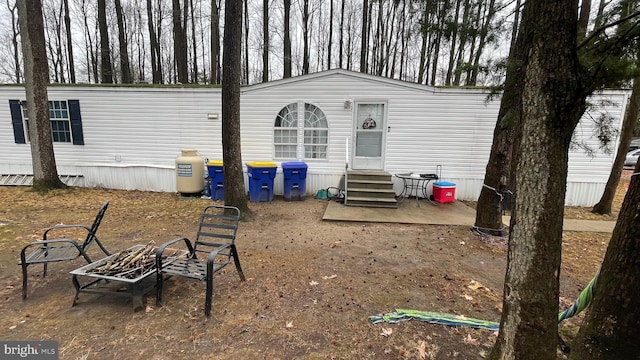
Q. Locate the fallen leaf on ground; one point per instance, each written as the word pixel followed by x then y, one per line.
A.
pixel 474 285
pixel 289 325
pixel 386 331
pixel 467 297
pixel 330 277
pixel 469 340
pixel 422 350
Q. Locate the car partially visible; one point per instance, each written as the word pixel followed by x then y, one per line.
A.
pixel 632 158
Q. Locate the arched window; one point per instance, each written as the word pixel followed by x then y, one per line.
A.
pixel 301 134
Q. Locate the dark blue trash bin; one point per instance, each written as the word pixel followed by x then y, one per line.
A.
pixel 261 175
pixel 216 179
pixel 295 183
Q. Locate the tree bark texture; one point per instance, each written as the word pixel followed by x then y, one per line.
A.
pixel 36 73
pixel 245 71
pixel 553 100
pixel 265 41
pixel 215 42
pixel 154 47
pixel 234 190
pixel 305 35
pixel 498 174
pixel 330 35
pixel 610 328
pixel 125 68
pixel 364 44
pixel 628 126
pixel 14 41
pixel 179 44
pixel 67 24
pixel 106 71
pixel 287 39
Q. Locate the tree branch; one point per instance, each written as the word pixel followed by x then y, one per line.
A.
pixel 602 29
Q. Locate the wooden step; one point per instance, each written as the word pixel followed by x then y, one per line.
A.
pixel 372 193
pixel 371 202
pixel 370 184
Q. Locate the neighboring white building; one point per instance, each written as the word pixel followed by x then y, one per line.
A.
pixel 129 137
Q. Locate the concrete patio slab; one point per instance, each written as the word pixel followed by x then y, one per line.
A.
pixel 428 213
pixel 408 212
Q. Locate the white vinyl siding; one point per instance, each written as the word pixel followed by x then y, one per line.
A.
pixel 134 134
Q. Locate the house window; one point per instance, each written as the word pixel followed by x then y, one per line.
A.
pixel 301 134
pixel 60 122
pixel 66 122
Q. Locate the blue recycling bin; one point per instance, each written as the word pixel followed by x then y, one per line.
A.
pixel 261 175
pixel 216 179
pixel 295 183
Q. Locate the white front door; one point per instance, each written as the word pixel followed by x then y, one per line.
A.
pixel 369 136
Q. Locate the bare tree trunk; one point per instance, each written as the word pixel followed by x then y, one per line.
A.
pixel 45 173
pixel 340 55
pixel 179 43
pixel 194 77
pixel 14 40
pixel 154 47
pixel 159 17
pixel 516 23
pixel 484 32
pixel 287 39
pixel 349 51
pixel 105 51
pixel 246 42
pixel 364 44
pixel 600 14
pixel 466 24
pixel 215 43
pixel 583 20
pixel 553 100
pixel 305 35
pixel 423 58
pixel 454 39
pixel 234 190
pixel 125 68
pixel 610 327
pixel 330 35
pixel 67 23
pixel 92 67
pixel 59 58
pixel 265 41
pixel 403 42
pixel 628 126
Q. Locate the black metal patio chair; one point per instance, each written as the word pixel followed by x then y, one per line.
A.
pixel 49 250
pixel 215 241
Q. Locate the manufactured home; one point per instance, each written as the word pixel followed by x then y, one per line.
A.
pixel 129 137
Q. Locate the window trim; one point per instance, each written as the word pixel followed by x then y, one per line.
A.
pixel 319 116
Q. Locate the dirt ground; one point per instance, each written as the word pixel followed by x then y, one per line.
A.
pixel 311 284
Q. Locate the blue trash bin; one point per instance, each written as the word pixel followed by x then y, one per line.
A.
pixel 295 183
pixel 261 175
pixel 216 179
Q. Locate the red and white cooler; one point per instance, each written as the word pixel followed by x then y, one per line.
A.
pixel 444 192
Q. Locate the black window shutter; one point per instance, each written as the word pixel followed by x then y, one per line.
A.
pixel 16 121
pixel 76 122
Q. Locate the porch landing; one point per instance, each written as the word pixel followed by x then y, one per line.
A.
pixel 407 212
